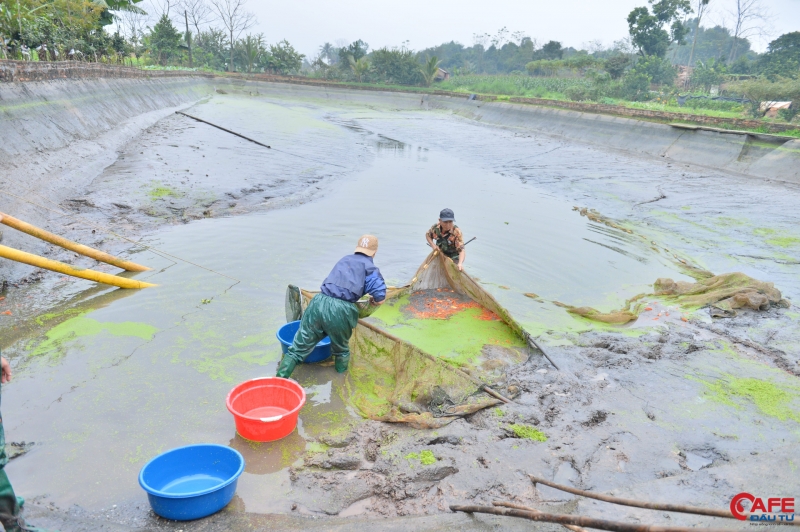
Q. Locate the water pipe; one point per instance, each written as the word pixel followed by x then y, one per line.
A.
pixel 70 245
pixel 55 266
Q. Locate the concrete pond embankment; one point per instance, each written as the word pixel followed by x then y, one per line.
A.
pixel 687 411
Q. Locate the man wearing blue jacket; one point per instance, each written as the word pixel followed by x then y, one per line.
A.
pixel 333 312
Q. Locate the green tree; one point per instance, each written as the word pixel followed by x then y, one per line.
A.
pixel 708 74
pixel 211 48
pixel 552 50
pixel 109 14
pixel 396 66
pixel 328 52
pixel 356 50
pixel 782 57
pixel 13 16
pixel 164 40
pixel 252 46
pixel 659 70
pixel 283 58
pixel 359 67
pixel 616 65
pixel 647 29
pixel 430 69
pixel 636 85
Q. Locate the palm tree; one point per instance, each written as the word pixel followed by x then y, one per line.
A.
pixel 430 69
pixel 328 51
pixel 359 67
pixel 252 45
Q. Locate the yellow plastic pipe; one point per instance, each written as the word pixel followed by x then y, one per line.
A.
pixel 70 245
pixel 55 266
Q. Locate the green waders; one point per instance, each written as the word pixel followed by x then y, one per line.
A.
pixel 325 316
pixel 10 505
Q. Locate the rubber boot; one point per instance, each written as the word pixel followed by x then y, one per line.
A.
pixel 286 367
pixel 341 362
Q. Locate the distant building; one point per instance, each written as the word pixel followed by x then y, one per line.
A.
pixel 442 75
pixel 770 109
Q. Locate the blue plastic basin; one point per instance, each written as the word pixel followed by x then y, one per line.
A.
pixel 193 481
pixel 286 337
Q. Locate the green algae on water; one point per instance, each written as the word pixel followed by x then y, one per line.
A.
pixel 777 238
pixel 778 401
pixel 81 326
pixel 527 432
pixel 457 340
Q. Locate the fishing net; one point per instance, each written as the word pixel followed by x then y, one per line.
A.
pixel 722 293
pixel 394 380
pixel 615 317
pixel 727 291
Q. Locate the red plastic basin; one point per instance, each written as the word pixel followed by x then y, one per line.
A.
pixel 266 409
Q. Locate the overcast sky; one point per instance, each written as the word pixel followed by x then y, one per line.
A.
pixel 308 23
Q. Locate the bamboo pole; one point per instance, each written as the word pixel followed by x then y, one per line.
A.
pixel 696 510
pixel 70 245
pixel 55 266
pixel 576 520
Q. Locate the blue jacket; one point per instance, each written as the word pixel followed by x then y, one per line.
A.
pixel 352 277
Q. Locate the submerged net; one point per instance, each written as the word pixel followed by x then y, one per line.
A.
pixel 392 379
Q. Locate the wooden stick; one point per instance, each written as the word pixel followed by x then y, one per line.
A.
pixel 495 394
pixel 222 128
pixel 534 510
pixel 530 340
pixel 696 510
pixel 576 520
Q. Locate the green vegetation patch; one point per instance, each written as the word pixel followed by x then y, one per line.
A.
pixel 81 326
pixel 162 192
pixel 527 432
pixel 423 457
pixel 775 400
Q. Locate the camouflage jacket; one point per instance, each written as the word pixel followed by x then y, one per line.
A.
pixel 451 243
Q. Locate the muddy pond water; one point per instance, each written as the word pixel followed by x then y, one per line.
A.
pixel 118 381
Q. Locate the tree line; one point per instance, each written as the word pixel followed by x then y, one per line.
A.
pixel 210 34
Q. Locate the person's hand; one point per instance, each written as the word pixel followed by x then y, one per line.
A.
pixel 6 370
pixel 375 303
pixel 460 267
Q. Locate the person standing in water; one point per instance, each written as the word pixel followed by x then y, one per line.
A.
pixel 333 312
pixel 446 235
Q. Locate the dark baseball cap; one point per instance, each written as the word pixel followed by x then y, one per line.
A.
pixel 447 215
